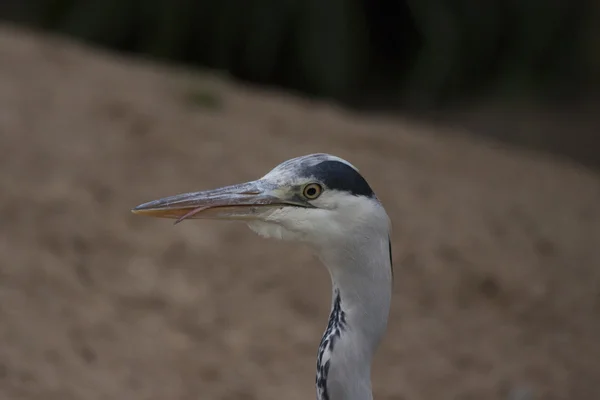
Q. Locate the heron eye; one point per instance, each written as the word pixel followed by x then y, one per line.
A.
pixel 312 191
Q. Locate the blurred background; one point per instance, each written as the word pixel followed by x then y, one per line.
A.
pixel 483 63
pixel 476 123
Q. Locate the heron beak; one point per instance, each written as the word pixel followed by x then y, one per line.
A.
pixel 246 201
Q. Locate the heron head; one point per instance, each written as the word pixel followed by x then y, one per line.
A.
pixel 316 198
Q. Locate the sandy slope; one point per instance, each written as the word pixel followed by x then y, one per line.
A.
pixel 497 274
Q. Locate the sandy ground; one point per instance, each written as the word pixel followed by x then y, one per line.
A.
pixel 497 291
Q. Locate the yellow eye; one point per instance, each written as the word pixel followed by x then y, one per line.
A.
pixel 312 191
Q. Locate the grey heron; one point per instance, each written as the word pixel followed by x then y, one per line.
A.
pixel 323 201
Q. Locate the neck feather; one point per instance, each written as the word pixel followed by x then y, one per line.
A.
pixel 361 295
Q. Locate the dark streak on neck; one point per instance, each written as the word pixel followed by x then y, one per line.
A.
pixel 335 327
pixel 390 250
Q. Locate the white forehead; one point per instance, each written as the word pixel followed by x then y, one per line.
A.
pixel 296 166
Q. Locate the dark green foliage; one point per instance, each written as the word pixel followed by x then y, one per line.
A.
pixel 413 52
pixel 203 98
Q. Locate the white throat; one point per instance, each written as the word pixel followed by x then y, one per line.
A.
pixel 361 295
pixel 350 235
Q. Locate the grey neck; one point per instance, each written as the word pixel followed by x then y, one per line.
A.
pixel 361 295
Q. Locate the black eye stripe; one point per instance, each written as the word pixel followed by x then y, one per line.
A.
pixel 337 175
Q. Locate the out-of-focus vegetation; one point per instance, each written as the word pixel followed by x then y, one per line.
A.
pixel 412 55
pixel 366 53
